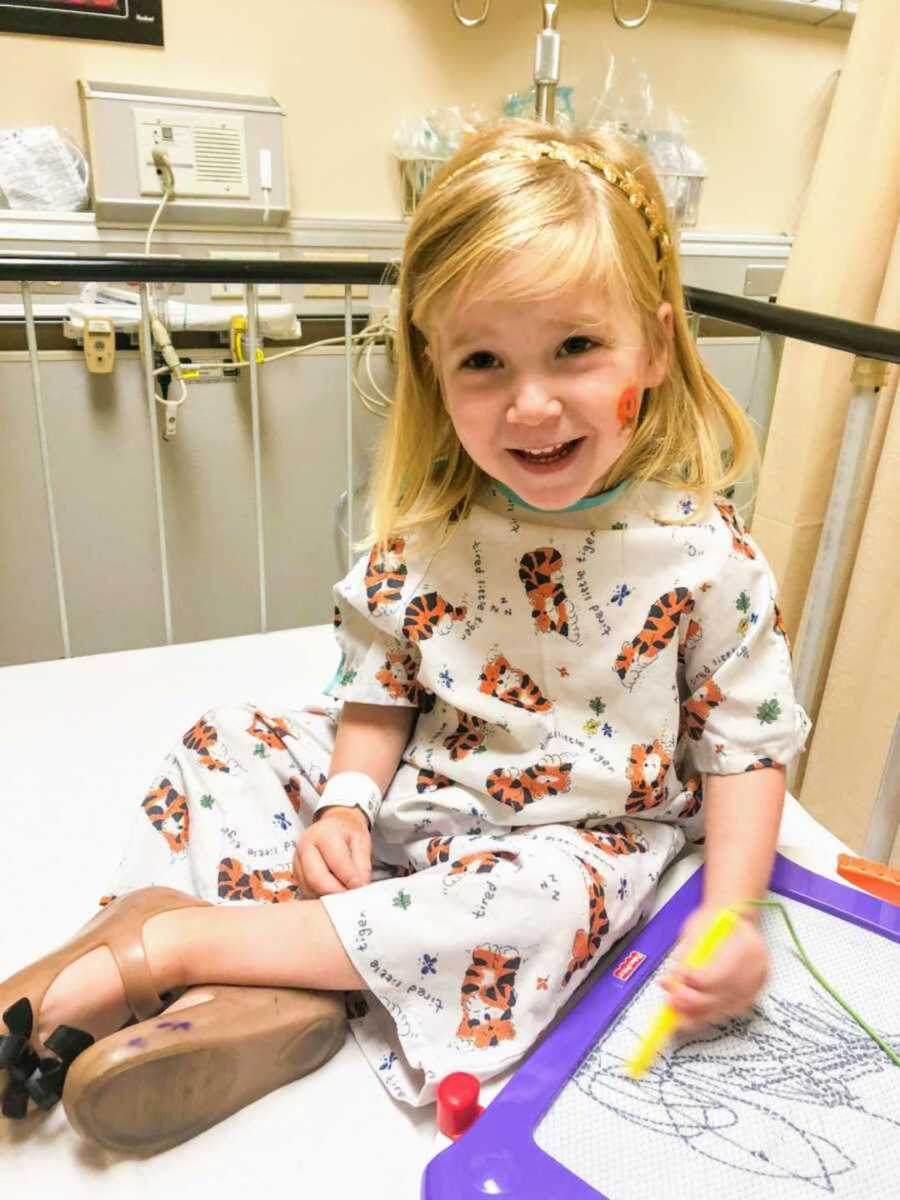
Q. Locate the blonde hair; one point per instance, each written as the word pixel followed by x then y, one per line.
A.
pixel 474 218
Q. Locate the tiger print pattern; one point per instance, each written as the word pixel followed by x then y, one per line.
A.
pixel 429 614
pixel 292 787
pixel 692 636
pixel 488 997
pixel 540 571
pixel 511 686
pixel 438 850
pixel 693 797
pixel 167 811
pixel 779 626
pixel 398 678
pixel 482 862
pixel 761 764
pixel 587 941
pixel 740 542
pixel 614 838
pixel 385 577
pixel 430 781
pixel 200 738
pixel 696 710
pixel 263 886
pixel 467 738
pixel 648 764
pixel 515 788
pixel 292 791
pixel 398 675
pixel 657 632
pixel 270 730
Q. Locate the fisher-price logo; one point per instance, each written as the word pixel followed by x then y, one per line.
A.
pixel 629 964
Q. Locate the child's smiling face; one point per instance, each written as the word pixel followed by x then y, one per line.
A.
pixel 563 377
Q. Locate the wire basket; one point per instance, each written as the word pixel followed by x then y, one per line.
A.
pixel 682 194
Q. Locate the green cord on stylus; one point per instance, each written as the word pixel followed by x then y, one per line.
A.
pixel 889 1051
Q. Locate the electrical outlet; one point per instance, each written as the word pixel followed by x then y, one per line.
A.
pixel 235 291
pixel 99 345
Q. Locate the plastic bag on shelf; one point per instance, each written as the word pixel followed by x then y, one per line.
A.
pixel 42 169
pixel 522 104
pixel 421 144
pixel 625 102
pixel 679 168
pixel 627 105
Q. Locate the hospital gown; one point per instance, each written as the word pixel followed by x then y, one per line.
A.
pixel 576 674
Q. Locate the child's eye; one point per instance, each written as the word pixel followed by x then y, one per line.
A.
pixel 475 362
pixel 578 344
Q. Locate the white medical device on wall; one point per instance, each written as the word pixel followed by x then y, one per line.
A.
pixel 226 152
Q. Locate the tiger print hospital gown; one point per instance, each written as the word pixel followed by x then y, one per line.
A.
pixel 576 673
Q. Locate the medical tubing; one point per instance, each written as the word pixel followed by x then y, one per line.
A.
pixel 167 195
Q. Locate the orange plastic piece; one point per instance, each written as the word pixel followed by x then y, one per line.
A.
pixel 881 881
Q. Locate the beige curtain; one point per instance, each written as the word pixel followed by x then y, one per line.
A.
pixel 845 262
pixel 861 701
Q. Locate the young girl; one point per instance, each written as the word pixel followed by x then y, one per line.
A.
pixel 561 660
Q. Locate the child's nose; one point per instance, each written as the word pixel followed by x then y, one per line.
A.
pixel 532 403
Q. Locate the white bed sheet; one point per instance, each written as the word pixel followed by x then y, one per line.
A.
pixel 79 739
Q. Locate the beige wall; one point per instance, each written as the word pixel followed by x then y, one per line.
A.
pixel 755 90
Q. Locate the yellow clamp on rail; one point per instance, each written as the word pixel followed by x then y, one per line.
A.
pixel 237 331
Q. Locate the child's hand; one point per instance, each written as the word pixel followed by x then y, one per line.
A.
pixel 334 854
pixel 727 984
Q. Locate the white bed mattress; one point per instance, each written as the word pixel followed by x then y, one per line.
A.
pixel 79 739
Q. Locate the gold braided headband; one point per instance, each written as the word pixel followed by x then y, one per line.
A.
pixel 574 156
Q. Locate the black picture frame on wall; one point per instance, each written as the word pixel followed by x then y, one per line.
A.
pixel 138 21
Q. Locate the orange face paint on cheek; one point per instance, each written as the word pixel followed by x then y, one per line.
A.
pixel 627 409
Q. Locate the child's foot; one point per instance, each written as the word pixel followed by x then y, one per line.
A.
pixel 89 995
pixel 122 962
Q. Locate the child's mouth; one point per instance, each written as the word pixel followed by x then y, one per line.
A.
pixel 548 458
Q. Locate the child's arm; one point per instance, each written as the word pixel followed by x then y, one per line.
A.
pixel 335 853
pixel 371 738
pixel 743 813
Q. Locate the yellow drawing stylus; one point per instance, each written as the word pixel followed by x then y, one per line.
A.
pixel 666 1020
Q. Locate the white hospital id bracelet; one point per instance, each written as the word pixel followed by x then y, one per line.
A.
pixel 351 789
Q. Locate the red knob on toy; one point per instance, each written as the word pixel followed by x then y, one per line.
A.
pixel 457 1103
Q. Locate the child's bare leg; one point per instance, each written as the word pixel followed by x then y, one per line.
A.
pixel 276 945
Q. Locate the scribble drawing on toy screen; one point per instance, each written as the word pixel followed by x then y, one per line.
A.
pixel 793 1101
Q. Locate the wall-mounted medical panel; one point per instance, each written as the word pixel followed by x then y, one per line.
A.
pixel 226 153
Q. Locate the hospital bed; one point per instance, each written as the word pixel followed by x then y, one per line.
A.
pixel 79 740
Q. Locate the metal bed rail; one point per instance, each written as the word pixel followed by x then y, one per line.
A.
pixel 873 346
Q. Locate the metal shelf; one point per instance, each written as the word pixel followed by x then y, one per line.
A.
pixel 836 14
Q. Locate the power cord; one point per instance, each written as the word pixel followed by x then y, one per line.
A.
pixel 365 340
pixel 381 331
pixel 159 331
pixel 167 179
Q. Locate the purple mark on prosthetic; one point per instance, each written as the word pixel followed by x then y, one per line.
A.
pixel 174 1025
pixel 137 1042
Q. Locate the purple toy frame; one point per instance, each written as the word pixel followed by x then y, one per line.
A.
pixel 498 1156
